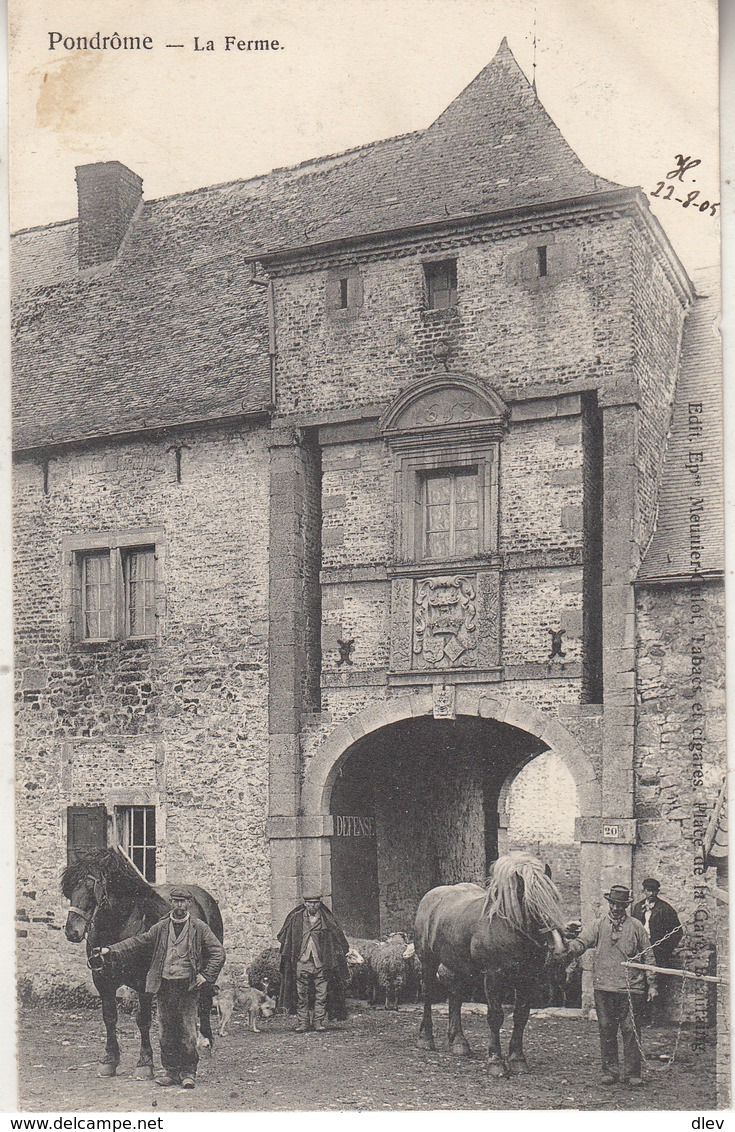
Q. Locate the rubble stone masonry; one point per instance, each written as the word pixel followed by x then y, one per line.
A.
pixel 179 721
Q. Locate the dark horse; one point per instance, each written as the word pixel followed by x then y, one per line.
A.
pixel 110 901
pixel 503 932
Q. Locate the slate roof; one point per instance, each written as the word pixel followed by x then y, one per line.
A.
pixel 175 331
pixel 699 380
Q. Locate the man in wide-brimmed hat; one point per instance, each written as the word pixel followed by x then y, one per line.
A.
pixel 620 992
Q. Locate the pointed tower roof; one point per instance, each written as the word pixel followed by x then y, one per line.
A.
pixel 501 135
pixel 494 148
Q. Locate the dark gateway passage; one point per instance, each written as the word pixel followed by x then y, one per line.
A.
pixel 416 805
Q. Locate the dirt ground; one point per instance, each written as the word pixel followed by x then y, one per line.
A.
pixel 369 1062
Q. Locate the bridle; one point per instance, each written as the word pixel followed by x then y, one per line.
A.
pixel 100 900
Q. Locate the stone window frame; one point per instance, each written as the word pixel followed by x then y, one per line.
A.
pixel 114 800
pixel 456 444
pixel 116 543
pixel 559 260
pixel 430 268
pixel 123 827
pixel 412 473
pixel 336 310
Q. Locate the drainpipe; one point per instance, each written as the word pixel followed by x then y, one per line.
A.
pixel 272 340
pixel 268 283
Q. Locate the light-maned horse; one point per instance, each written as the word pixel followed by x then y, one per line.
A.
pixel 110 901
pixel 504 933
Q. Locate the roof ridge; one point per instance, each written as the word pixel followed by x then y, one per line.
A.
pixel 323 158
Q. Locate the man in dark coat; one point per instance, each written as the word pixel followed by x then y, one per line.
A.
pixel 184 955
pixel 665 932
pixel 313 962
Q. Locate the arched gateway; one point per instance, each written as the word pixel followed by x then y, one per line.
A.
pixel 405 794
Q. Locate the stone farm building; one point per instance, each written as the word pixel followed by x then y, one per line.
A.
pixel 368 522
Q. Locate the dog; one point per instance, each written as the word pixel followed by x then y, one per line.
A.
pixel 257 1003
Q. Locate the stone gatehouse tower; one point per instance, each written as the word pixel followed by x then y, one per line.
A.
pixel 342 495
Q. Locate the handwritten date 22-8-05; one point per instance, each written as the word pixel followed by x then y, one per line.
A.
pixel 684 165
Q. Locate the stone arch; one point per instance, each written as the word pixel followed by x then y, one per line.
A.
pixel 480 701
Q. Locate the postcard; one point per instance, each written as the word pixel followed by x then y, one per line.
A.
pixel 368 557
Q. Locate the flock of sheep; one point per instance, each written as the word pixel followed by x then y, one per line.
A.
pixel 383 972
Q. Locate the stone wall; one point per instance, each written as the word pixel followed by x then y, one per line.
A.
pixel 656 331
pixel 179 722
pixel 680 751
pixel 505 328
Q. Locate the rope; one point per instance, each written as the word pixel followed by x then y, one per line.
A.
pixel 677 1039
pixel 680 1025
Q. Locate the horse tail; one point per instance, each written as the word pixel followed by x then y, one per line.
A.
pixel 519 890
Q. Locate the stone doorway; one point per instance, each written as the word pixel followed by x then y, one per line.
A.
pixel 416 804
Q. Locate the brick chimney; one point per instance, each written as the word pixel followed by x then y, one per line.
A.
pixel 109 194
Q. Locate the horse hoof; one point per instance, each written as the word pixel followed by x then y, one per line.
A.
pixel 106 1069
pixel 461 1048
pixel 497 1069
pixel 144 1072
pixel 425 1043
pixel 518 1065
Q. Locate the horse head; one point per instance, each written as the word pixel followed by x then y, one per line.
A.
pixel 87 897
pixel 521 893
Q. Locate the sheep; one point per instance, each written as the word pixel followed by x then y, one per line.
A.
pixel 264 972
pixel 414 974
pixel 390 969
pixel 355 962
pixel 362 983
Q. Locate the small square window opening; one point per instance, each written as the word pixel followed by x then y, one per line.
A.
pixel 441 284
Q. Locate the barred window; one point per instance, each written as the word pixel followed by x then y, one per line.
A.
pixel 136 834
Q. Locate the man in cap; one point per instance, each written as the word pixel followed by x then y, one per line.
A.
pixel 620 992
pixel 664 930
pixel 313 950
pixel 183 954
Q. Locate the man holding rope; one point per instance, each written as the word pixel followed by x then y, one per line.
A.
pixel 620 992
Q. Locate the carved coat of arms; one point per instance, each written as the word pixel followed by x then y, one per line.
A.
pixel 445 620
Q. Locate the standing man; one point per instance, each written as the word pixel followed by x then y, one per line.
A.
pixel 665 932
pixel 620 992
pixel 184 955
pixel 313 950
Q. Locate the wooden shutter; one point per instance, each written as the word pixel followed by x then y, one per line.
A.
pixel 86 828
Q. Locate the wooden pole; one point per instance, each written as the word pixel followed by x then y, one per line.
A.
pixel 672 971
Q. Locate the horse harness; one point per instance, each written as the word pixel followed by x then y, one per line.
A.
pixel 100 900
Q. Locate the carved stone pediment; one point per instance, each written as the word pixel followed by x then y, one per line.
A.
pixel 441 404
